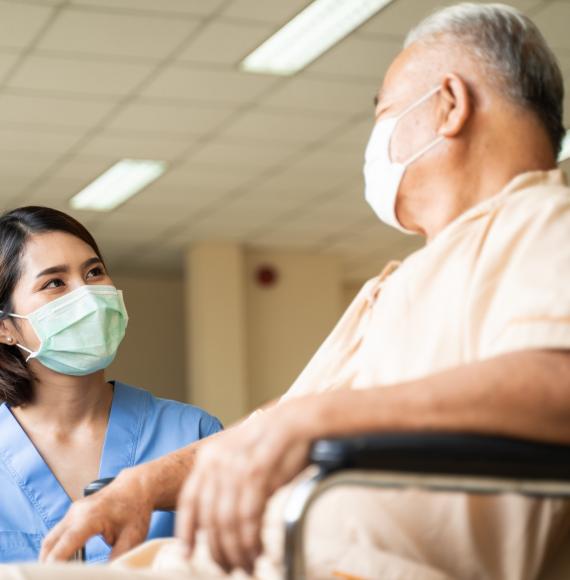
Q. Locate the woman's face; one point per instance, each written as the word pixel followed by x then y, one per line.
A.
pixel 53 264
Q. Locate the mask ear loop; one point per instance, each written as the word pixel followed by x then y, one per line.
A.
pixel 436 141
pixel 425 149
pixel 423 99
pixel 31 353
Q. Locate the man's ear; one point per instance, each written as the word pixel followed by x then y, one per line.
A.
pixel 456 105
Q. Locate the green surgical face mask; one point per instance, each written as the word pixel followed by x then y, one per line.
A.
pixel 80 332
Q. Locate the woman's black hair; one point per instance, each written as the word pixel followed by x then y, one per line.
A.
pixel 16 226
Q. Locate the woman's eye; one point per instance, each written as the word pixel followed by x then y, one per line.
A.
pixel 55 283
pixel 94 272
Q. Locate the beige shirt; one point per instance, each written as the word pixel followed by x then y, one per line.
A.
pixel 493 281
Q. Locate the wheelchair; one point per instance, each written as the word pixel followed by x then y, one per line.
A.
pixel 447 462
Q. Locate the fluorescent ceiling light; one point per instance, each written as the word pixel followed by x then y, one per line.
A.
pixel 313 31
pixel 117 184
pixel 565 150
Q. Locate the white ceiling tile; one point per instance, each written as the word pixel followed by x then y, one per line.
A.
pixel 271 198
pixel 140 116
pixel 197 7
pixel 82 168
pixel 365 58
pixel 13 187
pixel 95 33
pixel 230 153
pixel 56 191
pixel 181 201
pixel 222 225
pixel 309 221
pixel 47 2
pixel 119 146
pixel 26 141
pixel 300 184
pixel 311 94
pixel 85 76
pixel 355 137
pixel 401 16
pixel 48 111
pixel 180 81
pixel 327 159
pixel 18 172
pixel 125 220
pixel 203 229
pixel 269 207
pixel 7 60
pixel 352 205
pixel 12 163
pixel 206 179
pixel 272 11
pixel 273 127
pixel 553 22
pixel 225 42
pixel 20 23
pixel 237 218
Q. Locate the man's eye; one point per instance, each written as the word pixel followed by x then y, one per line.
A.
pixel 55 283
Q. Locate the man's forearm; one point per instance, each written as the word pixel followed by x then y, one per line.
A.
pixel 523 394
pixel 162 479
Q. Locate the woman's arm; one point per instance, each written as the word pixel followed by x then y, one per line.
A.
pixel 121 512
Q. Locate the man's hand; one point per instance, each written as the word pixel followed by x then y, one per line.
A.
pixel 234 476
pixel 120 513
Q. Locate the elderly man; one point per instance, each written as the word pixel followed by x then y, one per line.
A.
pixel 471 333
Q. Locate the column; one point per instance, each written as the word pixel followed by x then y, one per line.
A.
pixel 216 361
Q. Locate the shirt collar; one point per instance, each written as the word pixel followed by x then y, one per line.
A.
pixel 553 177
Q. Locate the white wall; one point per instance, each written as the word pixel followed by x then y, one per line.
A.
pixel 284 325
pixel 152 354
pixel 287 322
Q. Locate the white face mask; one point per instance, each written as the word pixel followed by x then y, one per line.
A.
pixel 382 176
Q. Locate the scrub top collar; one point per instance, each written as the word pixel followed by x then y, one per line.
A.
pixel 34 477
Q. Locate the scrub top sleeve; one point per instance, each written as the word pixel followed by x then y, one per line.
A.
pixel 524 281
pixel 209 425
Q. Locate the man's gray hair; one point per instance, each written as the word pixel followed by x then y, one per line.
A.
pixel 512 49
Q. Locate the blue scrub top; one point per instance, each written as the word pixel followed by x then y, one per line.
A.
pixel 32 501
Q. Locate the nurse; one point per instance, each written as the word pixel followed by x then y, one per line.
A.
pixel 62 424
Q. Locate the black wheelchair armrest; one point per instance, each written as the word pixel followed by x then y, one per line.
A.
pixel 90 489
pixel 445 453
pixel 97 485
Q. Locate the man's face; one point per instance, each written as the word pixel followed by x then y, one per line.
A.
pixel 406 91
pixel 407 81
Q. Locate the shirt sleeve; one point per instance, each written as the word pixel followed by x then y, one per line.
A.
pixel 522 298
pixel 209 425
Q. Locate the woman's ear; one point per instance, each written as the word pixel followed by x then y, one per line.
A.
pixel 456 105
pixel 6 334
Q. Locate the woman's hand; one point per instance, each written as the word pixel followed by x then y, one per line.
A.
pixel 233 478
pixel 120 513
